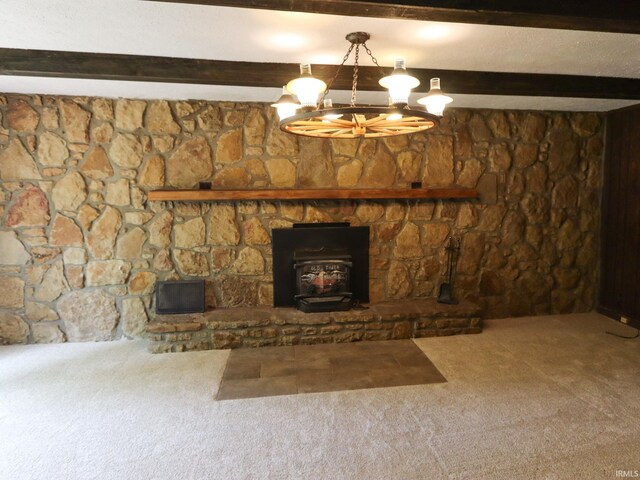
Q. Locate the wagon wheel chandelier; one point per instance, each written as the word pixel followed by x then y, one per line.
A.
pixel 305 115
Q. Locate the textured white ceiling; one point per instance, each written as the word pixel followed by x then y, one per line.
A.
pixel 195 31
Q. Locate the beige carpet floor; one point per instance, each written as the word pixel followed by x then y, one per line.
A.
pixel 530 398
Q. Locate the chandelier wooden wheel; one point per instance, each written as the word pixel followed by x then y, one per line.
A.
pixel 372 122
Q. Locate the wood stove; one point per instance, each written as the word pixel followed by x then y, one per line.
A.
pixel 323 280
pixel 320 267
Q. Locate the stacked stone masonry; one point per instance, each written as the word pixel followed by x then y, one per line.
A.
pixel 264 326
pixel 81 248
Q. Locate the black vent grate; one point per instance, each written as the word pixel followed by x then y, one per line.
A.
pixel 180 296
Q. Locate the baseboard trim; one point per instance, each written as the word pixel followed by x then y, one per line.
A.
pixel 615 315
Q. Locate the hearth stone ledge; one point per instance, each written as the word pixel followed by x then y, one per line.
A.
pixel 246 327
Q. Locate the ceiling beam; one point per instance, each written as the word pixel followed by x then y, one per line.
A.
pixel 47 63
pixel 597 16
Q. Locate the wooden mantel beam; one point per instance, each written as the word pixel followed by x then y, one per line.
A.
pixel 295 194
pixel 60 64
pixel 590 15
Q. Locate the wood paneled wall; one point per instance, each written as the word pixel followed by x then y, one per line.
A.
pixel 620 257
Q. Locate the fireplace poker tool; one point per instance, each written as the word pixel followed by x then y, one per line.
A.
pixel 446 288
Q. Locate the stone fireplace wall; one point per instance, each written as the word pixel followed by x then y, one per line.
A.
pixel 81 248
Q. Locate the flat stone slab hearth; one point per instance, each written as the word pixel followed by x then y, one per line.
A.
pixel 268 326
pixel 271 371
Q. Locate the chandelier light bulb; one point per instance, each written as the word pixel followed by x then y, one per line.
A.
pixel 328 105
pixel 393 117
pixel 399 83
pixel 306 87
pixel 286 105
pixel 435 101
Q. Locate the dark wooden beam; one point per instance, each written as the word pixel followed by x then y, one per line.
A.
pixel 619 16
pixel 45 63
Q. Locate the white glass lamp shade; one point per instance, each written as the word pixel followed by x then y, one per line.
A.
pixel 435 101
pixel 306 87
pixel 399 84
pixel 286 105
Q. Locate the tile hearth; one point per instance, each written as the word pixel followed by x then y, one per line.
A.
pixel 271 371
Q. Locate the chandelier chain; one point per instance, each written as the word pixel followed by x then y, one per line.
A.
pixel 344 60
pixel 354 83
pixel 374 59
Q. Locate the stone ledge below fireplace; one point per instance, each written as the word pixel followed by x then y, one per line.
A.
pixel 267 326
